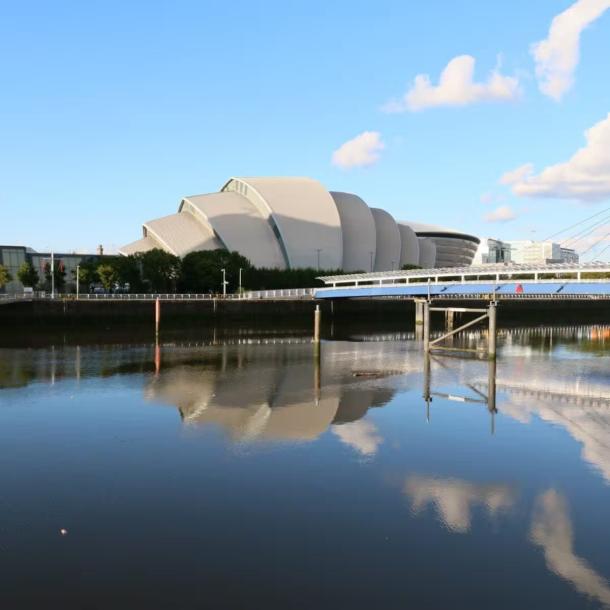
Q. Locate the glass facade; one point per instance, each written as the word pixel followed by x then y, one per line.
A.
pixel 12 257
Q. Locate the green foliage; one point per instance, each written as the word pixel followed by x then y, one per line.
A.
pixel 107 275
pixel 202 271
pixel 87 273
pixel 408 266
pixel 27 275
pixel 5 276
pixel 129 271
pixel 161 270
pixel 594 275
pixel 277 279
pixel 198 272
pixel 59 273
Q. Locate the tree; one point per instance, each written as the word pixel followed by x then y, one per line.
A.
pixel 59 274
pixel 129 271
pixel 27 275
pixel 161 270
pixel 408 266
pixel 107 275
pixel 87 272
pixel 202 271
pixel 5 276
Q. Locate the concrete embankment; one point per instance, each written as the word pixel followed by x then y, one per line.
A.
pixel 71 312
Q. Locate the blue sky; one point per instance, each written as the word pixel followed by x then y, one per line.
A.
pixel 112 111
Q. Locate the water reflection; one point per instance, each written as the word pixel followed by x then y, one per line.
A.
pixel 258 393
pixel 356 412
pixel 455 499
pixel 363 436
pixel 552 531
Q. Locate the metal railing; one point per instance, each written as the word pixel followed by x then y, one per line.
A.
pixel 286 293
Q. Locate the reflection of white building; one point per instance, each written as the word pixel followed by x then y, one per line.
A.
pixel 274 395
pixel 529 252
pixel 287 223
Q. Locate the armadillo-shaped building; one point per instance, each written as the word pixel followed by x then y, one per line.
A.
pixel 288 223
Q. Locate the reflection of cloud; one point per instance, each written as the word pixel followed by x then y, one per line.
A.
pixel 552 530
pixel 589 425
pixel 455 498
pixel 361 435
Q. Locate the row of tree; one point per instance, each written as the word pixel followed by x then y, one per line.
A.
pixel 159 271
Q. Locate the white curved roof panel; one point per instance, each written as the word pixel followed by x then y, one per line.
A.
pixel 387 256
pixel 305 217
pixel 141 245
pixel 359 233
pixel 409 252
pixel 181 234
pixel 239 225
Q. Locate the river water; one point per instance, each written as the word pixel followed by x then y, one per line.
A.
pixel 246 472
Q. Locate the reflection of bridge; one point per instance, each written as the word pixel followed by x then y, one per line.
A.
pixel 564 397
pixel 563 281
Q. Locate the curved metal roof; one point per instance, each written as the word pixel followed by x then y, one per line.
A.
pixel 239 225
pixel 306 218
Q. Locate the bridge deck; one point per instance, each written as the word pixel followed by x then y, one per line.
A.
pixel 565 290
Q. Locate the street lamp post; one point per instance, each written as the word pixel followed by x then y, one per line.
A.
pixel 240 281
pixel 77 281
pixel 52 275
pixel 371 253
pixel 224 283
pixel 318 250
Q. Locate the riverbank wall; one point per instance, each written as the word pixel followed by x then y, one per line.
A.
pixel 69 312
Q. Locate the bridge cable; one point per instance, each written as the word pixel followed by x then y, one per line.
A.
pixel 603 250
pixel 595 244
pixel 584 233
pixel 576 224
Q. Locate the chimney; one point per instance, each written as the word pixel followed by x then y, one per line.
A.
pixel 100 250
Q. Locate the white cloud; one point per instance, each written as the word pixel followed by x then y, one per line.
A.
pixel 557 55
pixel 585 176
pixel 502 214
pixel 361 151
pixel 456 87
pixel 362 435
pixel 517 175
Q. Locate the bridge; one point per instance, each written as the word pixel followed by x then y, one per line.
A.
pixel 495 282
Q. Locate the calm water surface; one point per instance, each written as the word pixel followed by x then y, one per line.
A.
pixel 242 475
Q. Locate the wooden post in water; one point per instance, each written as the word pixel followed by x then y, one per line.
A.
pixel 491 393
pixel 491 339
pixel 316 374
pixel 419 312
pixel 426 307
pixel 316 325
pixel 157 317
pixel 449 318
pixel 427 396
pixel 316 353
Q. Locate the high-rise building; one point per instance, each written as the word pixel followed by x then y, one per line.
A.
pixel 529 252
pixel 492 251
